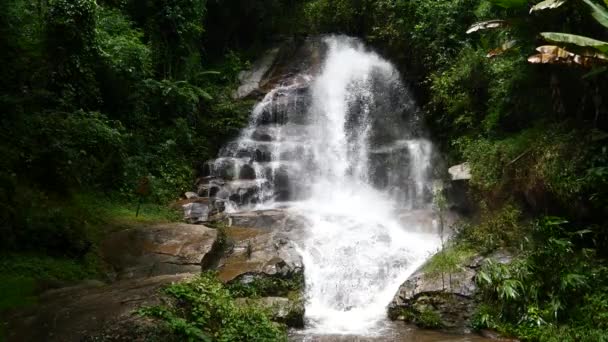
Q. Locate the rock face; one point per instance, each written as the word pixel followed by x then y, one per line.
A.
pixel 262 246
pixel 199 210
pixel 97 313
pixel 163 249
pixel 251 79
pixel 457 191
pixel 264 219
pixel 449 298
pixel 460 172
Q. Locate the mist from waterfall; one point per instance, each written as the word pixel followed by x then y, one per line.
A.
pixel 343 148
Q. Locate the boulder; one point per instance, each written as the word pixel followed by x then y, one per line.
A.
pixel 258 253
pixel 190 195
pixel 262 246
pixel 251 79
pixel 460 172
pixel 93 313
pixel 282 310
pixel 163 249
pixel 449 297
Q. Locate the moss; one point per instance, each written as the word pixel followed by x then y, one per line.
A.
pixel 422 316
pixel 449 260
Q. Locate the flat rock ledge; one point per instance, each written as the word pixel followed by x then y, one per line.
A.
pixel 262 245
pixel 163 249
pixel 449 300
pixel 93 313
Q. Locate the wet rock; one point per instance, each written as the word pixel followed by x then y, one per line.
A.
pixel 449 296
pixel 262 134
pixel 247 172
pixel 163 249
pixel 191 195
pixel 262 219
pixel 262 246
pixel 196 212
pixel 209 186
pixel 243 191
pixel 251 79
pixel 93 313
pixel 460 172
pixel 265 254
pixel 282 310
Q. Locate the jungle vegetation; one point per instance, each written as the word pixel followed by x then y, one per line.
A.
pixel 98 95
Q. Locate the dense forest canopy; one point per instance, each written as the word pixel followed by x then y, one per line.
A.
pixel 98 95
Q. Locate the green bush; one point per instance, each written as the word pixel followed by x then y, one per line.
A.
pixel 493 229
pixel 528 299
pixel 205 311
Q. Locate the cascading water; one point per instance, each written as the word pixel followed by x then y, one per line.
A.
pixel 342 148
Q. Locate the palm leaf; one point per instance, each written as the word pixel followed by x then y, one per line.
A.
pixel 567 38
pixel 598 12
pixel 487 25
pixel 547 4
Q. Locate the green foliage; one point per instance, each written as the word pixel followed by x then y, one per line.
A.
pixel 449 260
pixel 528 299
pixel 71 45
pixel 205 311
pixel 122 48
pixel 175 29
pixel 22 277
pixel 424 317
pixel 429 319
pixel 494 228
pixel 267 286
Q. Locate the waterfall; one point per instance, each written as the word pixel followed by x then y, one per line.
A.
pixel 343 147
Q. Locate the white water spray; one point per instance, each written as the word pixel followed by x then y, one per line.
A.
pixel 358 252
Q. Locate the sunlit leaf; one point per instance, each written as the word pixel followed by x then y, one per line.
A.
pixel 583 231
pixel 598 12
pixel 502 49
pixel 551 54
pixel 547 4
pixel 483 277
pixel 572 280
pixel 487 25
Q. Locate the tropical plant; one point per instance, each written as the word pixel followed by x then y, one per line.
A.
pixel 571 49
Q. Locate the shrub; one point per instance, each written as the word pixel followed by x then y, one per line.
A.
pixel 205 310
pixel 493 229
